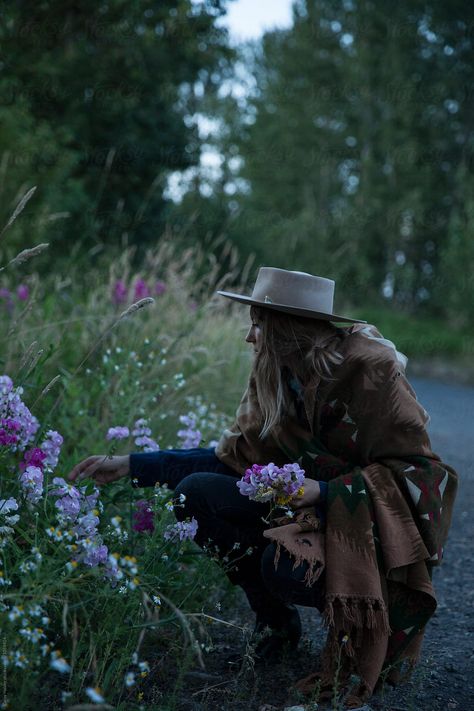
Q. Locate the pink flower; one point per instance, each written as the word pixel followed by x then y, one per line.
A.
pixel 23 292
pixel 35 457
pixel 160 287
pixel 119 293
pixel 141 290
pixel 143 517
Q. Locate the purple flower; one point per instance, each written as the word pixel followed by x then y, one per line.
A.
pixel 119 293
pixel 193 306
pixel 90 501
pixel 141 290
pixel 7 439
pixel 65 488
pixel 269 482
pixel 68 507
pixel 35 457
pixel 148 444
pixel 112 571
pixel 95 555
pixel 142 433
pixel 191 437
pixel 143 517
pixel 6 506
pixel 23 292
pixel 31 481
pixel 86 525
pixel 10 424
pixel 51 446
pixel 160 287
pixel 19 425
pixel 141 428
pixel 117 433
pixel 183 529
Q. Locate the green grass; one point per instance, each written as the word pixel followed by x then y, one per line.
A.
pixel 421 338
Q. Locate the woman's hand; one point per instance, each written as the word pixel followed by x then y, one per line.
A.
pixel 102 468
pixel 310 497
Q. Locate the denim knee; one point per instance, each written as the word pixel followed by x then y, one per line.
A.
pixel 275 579
pixel 288 583
pixel 190 488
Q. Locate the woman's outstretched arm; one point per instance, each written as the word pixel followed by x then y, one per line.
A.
pixel 149 468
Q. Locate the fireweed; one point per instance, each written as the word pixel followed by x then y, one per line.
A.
pixel 140 289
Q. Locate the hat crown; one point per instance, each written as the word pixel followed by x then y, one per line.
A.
pixel 301 290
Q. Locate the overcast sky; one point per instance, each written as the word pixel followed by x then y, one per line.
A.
pixel 248 19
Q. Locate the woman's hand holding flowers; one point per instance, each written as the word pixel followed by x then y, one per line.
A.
pixel 309 497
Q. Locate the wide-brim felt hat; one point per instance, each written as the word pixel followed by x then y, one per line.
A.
pixel 292 292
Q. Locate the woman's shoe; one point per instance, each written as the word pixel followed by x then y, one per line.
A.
pixel 283 634
pixel 277 630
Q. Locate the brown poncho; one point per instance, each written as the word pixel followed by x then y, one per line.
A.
pixel 389 506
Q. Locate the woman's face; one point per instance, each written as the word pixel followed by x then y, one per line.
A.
pixel 254 335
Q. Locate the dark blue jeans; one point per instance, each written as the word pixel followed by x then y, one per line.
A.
pixel 229 524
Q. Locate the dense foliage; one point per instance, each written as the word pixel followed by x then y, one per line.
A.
pixel 352 154
pixel 96 100
pixel 92 582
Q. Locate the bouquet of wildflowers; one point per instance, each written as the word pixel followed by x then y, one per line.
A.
pixel 271 483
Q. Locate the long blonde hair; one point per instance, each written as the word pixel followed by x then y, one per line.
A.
pixel 289 340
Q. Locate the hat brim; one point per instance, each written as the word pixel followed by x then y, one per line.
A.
pixel 308 313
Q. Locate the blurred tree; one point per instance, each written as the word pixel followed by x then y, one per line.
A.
pixel 97 110
pixel 350 142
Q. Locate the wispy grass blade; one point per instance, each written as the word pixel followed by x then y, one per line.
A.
pixel 19 208
pixel 26 254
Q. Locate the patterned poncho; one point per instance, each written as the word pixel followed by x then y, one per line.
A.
pixel 389 506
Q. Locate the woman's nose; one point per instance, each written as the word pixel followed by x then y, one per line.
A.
pixel 250 338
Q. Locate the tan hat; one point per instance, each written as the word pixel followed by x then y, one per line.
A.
pixel 295 293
